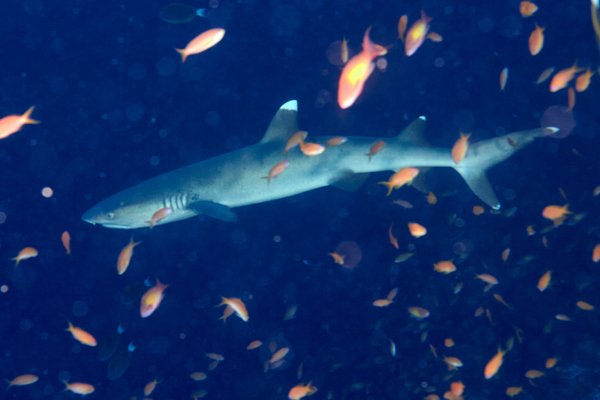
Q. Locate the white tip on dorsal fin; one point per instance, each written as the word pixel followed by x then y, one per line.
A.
pixel 423 118
pixel 284 124
pixel 290 105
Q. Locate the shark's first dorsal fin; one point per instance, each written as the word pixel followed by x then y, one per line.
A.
pixel 284 124
pixel 414 133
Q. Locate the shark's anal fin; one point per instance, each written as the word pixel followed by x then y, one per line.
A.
pixel 349 181
pixel 214 210
pixel 284 124
pixel 480 185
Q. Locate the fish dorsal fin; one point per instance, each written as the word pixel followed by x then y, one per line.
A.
pixel 414 133
pixel 284 124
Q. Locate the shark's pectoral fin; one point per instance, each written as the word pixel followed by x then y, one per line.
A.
pixel 480 185
pixel 214 210
pixel 349 181
pixel 420 181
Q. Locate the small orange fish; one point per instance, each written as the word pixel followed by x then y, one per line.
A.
pixel 402 203
pixel 563 77
pixel 337 258
pixel 494 364
pixel 544 75
pixel 393 240
pixel 479 312
pixel 433 350
pixel 583 81
pixel 530 230
pixel 79 388
pixel 215 356
pixel 392 294
pixel 478 210
pixel 336 141
pixel 513 391
pixel 416 34
pixel 444 267
pixel 432 397
pixel 276 171
pixel 571 97
pixel 448 342
pixel 125 256
pixel 81 336
pixel 551 362
pixel 357 71
pixel 311 149
pixel 149 388
pixel 22 380
pixel 503 78
pixel 487 278
pixel 296 139
pixel 527 9
pixel 501 300
pixel 299 391
pixel 431 198
pixel 585 306
pixel 544 281
pixel 435 37
pixel 27 252
pixel 66 241
pixel 453 363
pixel 237 305
pixel 279 355
pixel 562 317
pixel 460 148
pixel 255 344
pixel 505 254
pixel 418 312
pixel 417 230
pixel 202 42
pixel 536 40
pixel 403 177
pixel 457 389
pixel 159 216
pixel 152 299
pixel 402 22
pixel 198 376
pixel 376 148
pixel 228 312
pixel 532 374
pixel 555 212
pixel 13 123
pixel 382 302
pixel 344 51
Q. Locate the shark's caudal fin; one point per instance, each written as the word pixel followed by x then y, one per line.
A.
pixel 284 124
pixel 487 153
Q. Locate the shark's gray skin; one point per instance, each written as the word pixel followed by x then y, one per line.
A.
pixel 216 185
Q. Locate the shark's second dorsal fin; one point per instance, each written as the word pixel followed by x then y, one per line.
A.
pixel 284 124
pixel 414 133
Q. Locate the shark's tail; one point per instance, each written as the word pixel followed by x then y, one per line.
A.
pixel 487 153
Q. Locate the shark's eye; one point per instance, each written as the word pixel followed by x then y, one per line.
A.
pixel 110 216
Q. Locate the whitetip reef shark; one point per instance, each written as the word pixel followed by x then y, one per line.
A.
pixel 214 186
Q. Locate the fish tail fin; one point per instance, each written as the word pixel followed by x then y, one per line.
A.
pixel 223 302
pixel 9 383
pixel 16 259
pixel 26 116
pixel 487 153
pixel 389 186
pixel 183 55
pixel 66 385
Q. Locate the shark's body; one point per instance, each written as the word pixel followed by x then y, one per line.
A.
pixel 233 179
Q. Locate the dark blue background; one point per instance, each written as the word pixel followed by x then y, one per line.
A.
pixel 92 71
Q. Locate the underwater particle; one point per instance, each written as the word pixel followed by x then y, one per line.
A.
pixel 351 253
pixel 3 288
pixel 179 13
pixel 47 192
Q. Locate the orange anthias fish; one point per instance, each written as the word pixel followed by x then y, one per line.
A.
pixel 527 9
pixel 152 298
pixel 81 336
pixel 79 388
pixel 22 380
pixel 503 78
pixel 255 344
pixel 27 252
pixel 393 240
pixel 544 281
pixel 400 178
pixel 382 302
pixel 536 40
pixel 238 306
pixel 159 216
pixel 583 81
pixel 563 77
pixel 226 314
pixel 279 355
pixel 311 149
pixel 513 390
pixel 149 388
pixel 402 22
pixel 66 241
pixel 444 267
pixel 376 148
pixel 596 253
pixel 544 75
pixel 336 141
pixel 494 364
pixel 276 171
pixel 555 212
pixel 203 41
pixel 460 148
pixel 416 34
pixel 417 230
pixel 357 71
pixel 13 123
pixel 299 391
pixel 571 97
pixel 435 37
pixel 295 140
pixel 125 256
pixel 344 51
pixel 418 312
pixel 337 258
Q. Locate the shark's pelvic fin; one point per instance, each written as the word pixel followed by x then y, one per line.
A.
pixel 214 210
pixel 349 180
pixel 284 124
pixel 414 133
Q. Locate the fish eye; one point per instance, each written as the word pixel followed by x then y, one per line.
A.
pixel 110 215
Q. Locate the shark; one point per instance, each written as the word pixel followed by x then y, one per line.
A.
pixel 215 186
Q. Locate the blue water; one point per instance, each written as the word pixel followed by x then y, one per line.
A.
pixel 117 107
